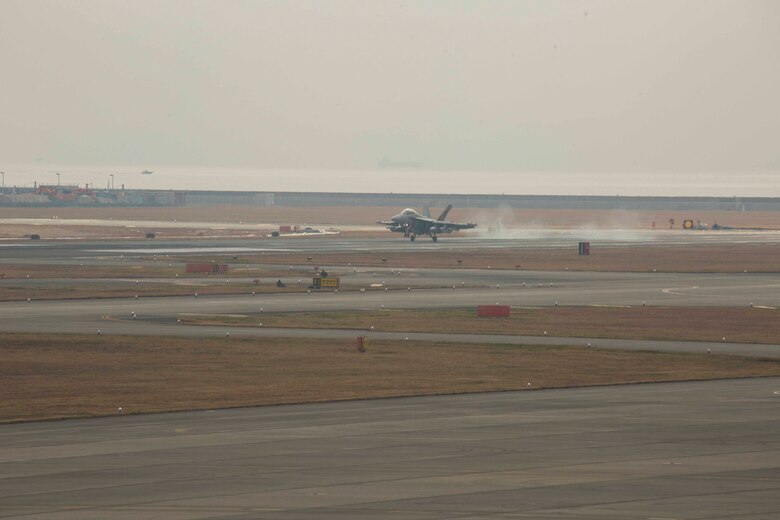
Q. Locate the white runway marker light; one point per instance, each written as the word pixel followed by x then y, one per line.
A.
pixel 227 334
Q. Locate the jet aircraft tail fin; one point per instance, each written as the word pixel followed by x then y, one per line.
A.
pixel 445 212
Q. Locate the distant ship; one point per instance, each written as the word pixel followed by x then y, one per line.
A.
pixel 147 172
pixel 388 163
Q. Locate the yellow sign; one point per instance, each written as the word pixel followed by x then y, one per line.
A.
pixel 326 282
pixel 329 282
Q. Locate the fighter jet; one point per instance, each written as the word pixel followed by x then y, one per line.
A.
pixel 411 224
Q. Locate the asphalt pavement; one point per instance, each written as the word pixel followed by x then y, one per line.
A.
pixel 706 450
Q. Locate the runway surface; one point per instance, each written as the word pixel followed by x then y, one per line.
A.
pixel 706 450
pixel 12 250
pixel 158 316
pixel 658 451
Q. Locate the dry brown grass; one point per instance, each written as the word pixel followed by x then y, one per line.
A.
pixel 141 270
pixel 65 230
pixel 268 218
pixel 368 215
pixel 54 376
pixel 145 290
pixel 741 325
pixel 726 258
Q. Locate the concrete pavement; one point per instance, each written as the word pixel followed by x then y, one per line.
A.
pixel 707 450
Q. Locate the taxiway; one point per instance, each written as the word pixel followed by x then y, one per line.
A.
pixel 706 450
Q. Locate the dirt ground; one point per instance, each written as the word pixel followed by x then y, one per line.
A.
pixel 721 258
pixel 488 219
pixel 129 290
pixel 741 325
pixel 63 230
pixel 141 269
pixel 58 376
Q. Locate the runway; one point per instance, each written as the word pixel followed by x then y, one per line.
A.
pixel 674 451
pixel 702 450
pixel 12 250
pixel 158 316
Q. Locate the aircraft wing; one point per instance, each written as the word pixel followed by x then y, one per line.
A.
pixel 427 220
pixel 445 227
pixel 443 224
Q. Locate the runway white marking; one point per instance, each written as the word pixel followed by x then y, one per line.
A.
pixel 168 251
pixel 674 290
pixel 214 315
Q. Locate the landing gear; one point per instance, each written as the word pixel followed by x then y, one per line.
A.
pixel 412 237
pixel 434 238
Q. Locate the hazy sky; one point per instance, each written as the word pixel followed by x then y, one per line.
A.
pixel 526 85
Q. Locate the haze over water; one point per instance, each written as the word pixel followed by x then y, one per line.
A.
pixel 575 97
pixel 402 180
